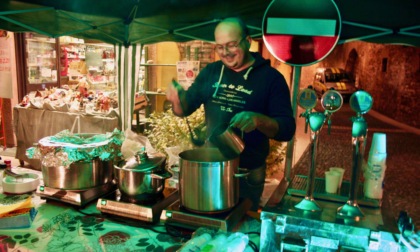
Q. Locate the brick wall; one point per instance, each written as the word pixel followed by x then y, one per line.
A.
pixel 390 73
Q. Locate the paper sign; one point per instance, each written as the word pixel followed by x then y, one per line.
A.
pixel 187 71
pixel 6 84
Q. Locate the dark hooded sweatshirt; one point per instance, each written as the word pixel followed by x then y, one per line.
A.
pixel 259 88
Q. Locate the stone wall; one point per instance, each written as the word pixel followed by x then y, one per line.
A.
pixel 390 73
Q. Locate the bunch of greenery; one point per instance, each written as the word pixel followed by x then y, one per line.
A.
pixel 168 130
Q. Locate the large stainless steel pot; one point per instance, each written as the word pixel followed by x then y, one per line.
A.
pixel 91 171
pixel 79 175
pixel 208 181
pixel 142 178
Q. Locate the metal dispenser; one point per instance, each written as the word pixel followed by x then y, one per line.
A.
pixel 361 102
pixel 331 101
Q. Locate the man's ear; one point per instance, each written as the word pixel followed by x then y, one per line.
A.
pixel 248 41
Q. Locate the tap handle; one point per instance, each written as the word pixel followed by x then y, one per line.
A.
pixel 328 118
pixel 359 127
pixel 316 120
pixel 306 115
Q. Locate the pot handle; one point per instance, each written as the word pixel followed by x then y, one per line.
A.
pixel 244 173
pixel 164 175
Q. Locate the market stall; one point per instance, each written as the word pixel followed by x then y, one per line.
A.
pixel 114 28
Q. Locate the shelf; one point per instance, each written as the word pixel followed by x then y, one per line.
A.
pixel 76 58
pixel 72 43
pixel 40 41
pixel 155 93
pixel 48 63
pixel 100 45
pixel 157 64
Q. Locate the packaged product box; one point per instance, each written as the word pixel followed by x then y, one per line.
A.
pixel 16 211
pixel 21 218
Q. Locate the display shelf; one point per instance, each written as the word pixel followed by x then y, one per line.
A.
pixel 157 64
pixel 41 59
pixel 72 56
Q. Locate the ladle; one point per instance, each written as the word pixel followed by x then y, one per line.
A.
pixel 194 139
pixel 16 176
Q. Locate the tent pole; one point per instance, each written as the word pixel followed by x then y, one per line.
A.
pixel 291 144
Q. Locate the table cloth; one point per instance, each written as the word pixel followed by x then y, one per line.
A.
pixel 31 125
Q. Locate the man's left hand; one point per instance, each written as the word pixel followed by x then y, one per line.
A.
pixel 248 121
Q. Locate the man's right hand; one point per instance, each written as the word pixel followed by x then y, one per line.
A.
pixel 172 95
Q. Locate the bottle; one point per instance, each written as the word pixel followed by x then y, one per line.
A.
pixel 376 166
pixel 8 164
pixel 235 243
pixel 216 244
pixel 196 243
pixel 3 166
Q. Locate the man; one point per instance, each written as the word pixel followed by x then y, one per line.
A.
pixel 245 92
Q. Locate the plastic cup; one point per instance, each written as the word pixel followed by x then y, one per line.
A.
pixel 332 178
pixel 341 171
pixel 378 143
pixel 373 188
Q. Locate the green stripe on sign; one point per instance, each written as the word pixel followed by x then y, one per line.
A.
pixel 301 26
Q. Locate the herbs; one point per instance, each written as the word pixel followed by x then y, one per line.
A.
pixel 275 158
pixel 168 130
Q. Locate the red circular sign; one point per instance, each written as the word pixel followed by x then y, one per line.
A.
pixel 301 32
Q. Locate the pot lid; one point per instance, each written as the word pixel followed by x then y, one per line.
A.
pixel 142 162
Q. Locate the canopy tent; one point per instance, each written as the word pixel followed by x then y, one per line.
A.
pixel 128 23
pixel 131 22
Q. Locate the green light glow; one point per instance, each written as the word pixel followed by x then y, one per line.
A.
pixel 359 127
pixel 316 120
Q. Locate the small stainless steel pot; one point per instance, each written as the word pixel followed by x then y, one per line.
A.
pixel 208 181
pixel 142 178
pixel 79 175
pixel 228 142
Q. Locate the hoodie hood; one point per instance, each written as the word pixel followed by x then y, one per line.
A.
pixel 259 61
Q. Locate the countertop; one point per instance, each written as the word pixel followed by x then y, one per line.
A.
pixel 59 226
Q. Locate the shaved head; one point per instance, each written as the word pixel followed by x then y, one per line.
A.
pixel 234 22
